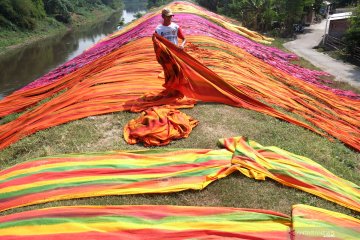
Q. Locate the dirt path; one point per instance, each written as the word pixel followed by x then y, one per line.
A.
pixel 303 47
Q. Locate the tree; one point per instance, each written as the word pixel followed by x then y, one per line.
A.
pixel 212 5
pixel 290 12
pixel 344 3
pixel 20 13
pixel 352 36
pixel 156 3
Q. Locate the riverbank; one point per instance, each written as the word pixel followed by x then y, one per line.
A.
pixel 49 27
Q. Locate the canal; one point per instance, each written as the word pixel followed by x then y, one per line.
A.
pixel 22 66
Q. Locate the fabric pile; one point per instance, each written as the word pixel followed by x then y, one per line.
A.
pixel 158 126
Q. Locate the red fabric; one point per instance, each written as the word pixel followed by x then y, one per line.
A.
pixel 187 76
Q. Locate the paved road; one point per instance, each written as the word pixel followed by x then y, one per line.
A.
pixel 303 47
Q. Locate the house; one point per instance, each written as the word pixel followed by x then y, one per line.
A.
pixel 337 24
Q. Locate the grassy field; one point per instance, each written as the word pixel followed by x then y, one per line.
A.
pixel 105 133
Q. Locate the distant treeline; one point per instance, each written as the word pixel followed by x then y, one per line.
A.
pixel 156 3
pixel 135 5
pixel 23 14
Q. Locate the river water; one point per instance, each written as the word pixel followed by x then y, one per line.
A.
pixel 22 66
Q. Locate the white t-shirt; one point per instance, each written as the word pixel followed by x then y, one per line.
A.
pixel 169 32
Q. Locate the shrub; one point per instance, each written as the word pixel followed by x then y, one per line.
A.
pixel 21 13
pixel 60 9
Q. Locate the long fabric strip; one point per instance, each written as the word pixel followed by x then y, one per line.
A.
pixel 145 222
pixel 115 173
pixel 311 223
pixel 160 171
pixel 186 74
pixel 258 162
pixel 144 28
pixel 114 84
pixel 117 81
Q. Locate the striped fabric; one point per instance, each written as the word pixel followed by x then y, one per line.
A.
pixel 144 222
pixel 177 222
pixel 311 223
pixel 160 171
pixel 112 173
pixel 258 162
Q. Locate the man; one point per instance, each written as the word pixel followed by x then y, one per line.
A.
pixel 169 30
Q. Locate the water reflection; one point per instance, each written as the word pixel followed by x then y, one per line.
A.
pixel 22 66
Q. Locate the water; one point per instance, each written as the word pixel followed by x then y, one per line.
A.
pixel 22 66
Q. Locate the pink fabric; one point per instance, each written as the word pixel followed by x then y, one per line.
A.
pixel 193 25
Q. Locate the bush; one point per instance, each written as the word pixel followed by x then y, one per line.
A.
pixel 115 4
pixel 352 37
pixel 60 9
pixel 21 13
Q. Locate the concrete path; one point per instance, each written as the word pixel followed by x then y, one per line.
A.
pixel 303 47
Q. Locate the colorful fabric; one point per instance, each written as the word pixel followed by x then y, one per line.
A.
pixel 258 162
pixel 144 222
pixel 119 81
pixel 186 74
pixel 158 126
pixel 144 27
pixel 311 223
pixel 160 171
pixel 177 222
pixel 120 77
pixel 111 173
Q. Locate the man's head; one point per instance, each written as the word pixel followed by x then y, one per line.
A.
pixel 167 13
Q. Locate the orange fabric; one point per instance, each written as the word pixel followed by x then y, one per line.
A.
pixel 119 80
pixel 158 126
pixel 185 74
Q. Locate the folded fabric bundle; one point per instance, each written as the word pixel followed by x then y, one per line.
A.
pixel 158 126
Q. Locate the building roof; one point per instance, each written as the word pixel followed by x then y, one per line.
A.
pixel 338 16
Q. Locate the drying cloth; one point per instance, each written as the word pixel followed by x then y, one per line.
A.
pixel 258 162
pixel 311 223
pixel 177 222
pixel 111 173
pixel 118 81
pixel 160 171
pixel 158 126
pixel 145 222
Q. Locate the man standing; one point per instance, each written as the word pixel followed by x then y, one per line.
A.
pixel 169 30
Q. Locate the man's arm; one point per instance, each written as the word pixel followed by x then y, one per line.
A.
pixel 182 37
